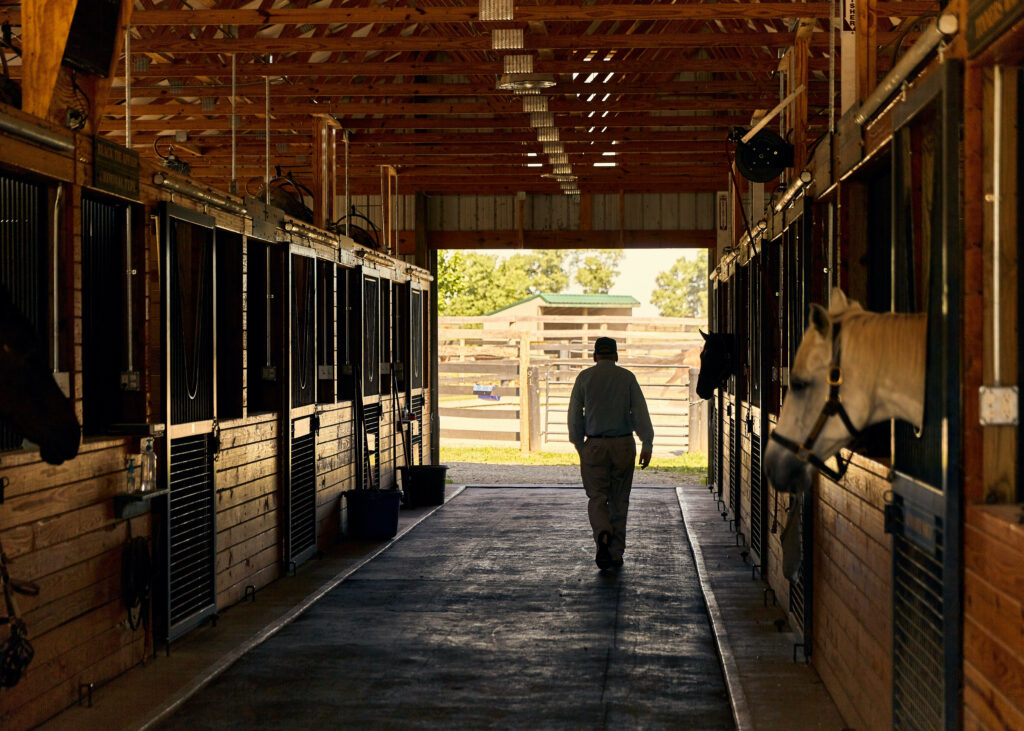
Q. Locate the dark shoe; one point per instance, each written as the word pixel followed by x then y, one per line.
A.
pixel 604 557
pixel 616 563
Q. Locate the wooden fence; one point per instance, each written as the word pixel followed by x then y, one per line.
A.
pixel 486 367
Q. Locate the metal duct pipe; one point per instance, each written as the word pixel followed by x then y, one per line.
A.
pixel 798 184
pixel 40 135
pixel 129 272
pixel 997 192
pixel 59 199
pixel 266 142
pixel 945 25
pixel 310 232
pixel 128 88
pixel 194 191
pixel 348 193
pixel 234 129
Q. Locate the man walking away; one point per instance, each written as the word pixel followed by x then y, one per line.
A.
pixel 605 408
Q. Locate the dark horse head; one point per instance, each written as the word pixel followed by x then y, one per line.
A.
pixel 30 400
pixel 717 362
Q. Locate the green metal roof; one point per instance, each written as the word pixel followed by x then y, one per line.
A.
pixel 579 300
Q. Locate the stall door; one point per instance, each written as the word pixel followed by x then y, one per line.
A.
pixel 23 262
pixel 924 514
pixel 189 546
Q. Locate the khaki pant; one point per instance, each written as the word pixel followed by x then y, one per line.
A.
pixel 606 466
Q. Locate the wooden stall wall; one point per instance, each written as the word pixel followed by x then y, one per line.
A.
pixel 853 594
pixel 57 523
pixel 994 534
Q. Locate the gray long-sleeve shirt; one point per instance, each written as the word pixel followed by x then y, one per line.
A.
pixel 607 401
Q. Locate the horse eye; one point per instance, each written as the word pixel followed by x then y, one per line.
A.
pixel 798 384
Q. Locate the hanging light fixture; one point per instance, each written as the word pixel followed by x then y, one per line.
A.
pixel 518 63
pixel 496 10
pixel 507 39
pixel 542 119
pixel 525 83
pixel 535 104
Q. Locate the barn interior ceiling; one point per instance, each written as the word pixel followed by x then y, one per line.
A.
pixel 593 96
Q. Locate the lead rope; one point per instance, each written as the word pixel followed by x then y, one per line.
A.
pixel 16 651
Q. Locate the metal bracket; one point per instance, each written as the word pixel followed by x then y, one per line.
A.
pixel 85 693
pixel 803 646
pixel 892 516
pixel 998 406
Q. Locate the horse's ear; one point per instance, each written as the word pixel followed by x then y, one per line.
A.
pixel 838 302
pixel 820 320
pixel 703 334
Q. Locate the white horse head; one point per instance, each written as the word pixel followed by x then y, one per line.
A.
pixel 854 368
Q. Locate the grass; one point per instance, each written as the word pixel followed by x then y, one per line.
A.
pixel 693 465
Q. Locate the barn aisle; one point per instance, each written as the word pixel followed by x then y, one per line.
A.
pixel 491 613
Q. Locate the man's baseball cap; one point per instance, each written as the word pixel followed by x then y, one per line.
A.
pixel 605 346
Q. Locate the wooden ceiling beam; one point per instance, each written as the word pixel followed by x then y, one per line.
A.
pixel 669 239
pixel 548 14
pixel 284 123
pixel 513 110
pixel 578 150
pixel 337 43
pixel 354 67
pixel 427 90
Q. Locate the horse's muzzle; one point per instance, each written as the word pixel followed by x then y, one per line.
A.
pixel 785 471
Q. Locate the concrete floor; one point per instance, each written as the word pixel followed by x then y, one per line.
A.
pixel 489 612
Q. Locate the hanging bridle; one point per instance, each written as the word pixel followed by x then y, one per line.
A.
pixel 833 407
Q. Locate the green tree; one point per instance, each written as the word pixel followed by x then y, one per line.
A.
pixel 451 280
pixel 542 272
pixel 596 271
pixel 682 290
pixel 470 284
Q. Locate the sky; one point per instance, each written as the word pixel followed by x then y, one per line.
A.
pixel 637 271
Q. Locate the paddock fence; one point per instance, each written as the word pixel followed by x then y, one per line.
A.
pixel 508 384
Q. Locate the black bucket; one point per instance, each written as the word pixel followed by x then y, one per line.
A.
pixel 373 514
pixel 424 484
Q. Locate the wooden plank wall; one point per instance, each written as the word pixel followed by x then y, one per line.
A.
pixel 57 523
pixel 994 618
pixel 853 594
pixel 993 534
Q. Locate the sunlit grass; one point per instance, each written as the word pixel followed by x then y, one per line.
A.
pixel 694 465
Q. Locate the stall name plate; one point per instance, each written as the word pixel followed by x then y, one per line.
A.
pixel 987 19
pixel 114 168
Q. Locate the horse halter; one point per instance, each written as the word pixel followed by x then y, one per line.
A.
pixel 833 407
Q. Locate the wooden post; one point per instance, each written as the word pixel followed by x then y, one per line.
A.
pixel 524 392
pixel 697 439
pixel 534 401
pixel 321 173
pixel 44 33
pixel 799 78
pixel 102 93
pixel 867 44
